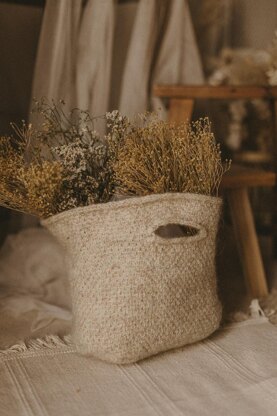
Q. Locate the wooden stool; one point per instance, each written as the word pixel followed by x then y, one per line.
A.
pixel 237 181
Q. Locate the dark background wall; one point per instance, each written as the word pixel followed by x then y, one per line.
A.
pixel 19 33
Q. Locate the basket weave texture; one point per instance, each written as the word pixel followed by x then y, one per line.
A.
pixel 135 293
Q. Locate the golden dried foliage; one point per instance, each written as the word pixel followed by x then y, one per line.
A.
pixel 12 193
pixel 161 157
pixel 43 183
pixel 33 187
pixel 80 168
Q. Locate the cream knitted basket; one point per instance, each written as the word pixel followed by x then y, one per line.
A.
pixel 134 292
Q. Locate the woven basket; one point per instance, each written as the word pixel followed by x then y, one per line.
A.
pixel 134 292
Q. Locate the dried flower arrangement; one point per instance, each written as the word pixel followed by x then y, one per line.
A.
pixel 66 164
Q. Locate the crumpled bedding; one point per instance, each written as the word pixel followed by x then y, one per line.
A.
pixel 233 372
pixel 34 289
pixel 33 262
pixel 24 316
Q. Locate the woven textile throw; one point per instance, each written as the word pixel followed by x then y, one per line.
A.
pixel 233 373
pixel 135 292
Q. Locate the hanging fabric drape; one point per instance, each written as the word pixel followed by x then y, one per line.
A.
pixel 178 60
pixel 74 60
pixel 178 57
pixel 94 56
pixel 54 76
pixel 134 95
pixel 74 54
pixel 163 49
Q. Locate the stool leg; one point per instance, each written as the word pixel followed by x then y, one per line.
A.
pixel 180 109
pixel 245 232
pixel 274 214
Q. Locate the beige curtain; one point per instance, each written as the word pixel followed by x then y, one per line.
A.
pixel 55 68
pixel 178 60
pixel 163 49
pixel 136 76
pixel 76 57
pixel 74 53
pixel 94 56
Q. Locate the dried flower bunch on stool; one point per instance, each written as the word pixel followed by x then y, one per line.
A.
pixel 137 211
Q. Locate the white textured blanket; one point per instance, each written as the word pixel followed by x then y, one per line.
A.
pixel 232 373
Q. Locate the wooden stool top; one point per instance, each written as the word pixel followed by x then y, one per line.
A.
pixel 214 92
pixel 240 177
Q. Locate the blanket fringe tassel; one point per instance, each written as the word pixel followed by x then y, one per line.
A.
pixel 255 309
pixel 48 342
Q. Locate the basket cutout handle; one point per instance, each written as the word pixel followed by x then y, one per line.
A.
pixel 179 232
pixel 171 230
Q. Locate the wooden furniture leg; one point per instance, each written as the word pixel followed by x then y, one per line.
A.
pixel 274 216
pixel 180 109
pixel 247 241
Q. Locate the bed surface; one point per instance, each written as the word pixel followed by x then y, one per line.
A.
pixel 234 372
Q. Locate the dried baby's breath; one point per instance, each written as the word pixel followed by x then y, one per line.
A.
pixel 73 141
